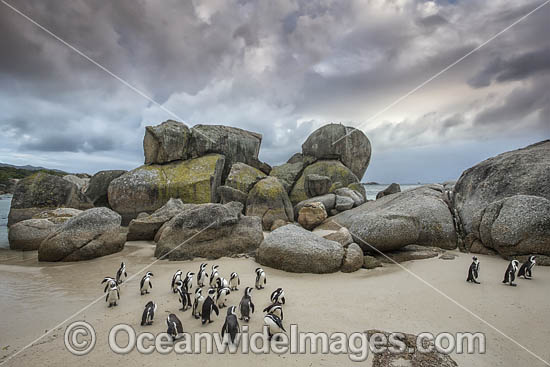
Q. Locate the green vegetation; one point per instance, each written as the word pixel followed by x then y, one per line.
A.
pixel 7 173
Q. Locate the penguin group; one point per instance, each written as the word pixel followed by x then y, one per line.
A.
pixel 525 271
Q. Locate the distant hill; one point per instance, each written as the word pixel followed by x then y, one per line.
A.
pixel 9 172
pixel 29 167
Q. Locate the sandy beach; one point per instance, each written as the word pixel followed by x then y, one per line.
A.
pixel 38 296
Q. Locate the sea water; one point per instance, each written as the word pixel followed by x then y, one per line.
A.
pixel 5 202
pixel 374 189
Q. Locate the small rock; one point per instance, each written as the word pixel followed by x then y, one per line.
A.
pixel 317 185
pixel 394 188
pixel 343 203
pixel 311 215
pixel 371 262
pixel 353 258
pixel 447 256
pixel 342 236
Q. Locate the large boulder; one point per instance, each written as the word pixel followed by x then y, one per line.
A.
pixel 209 231
pixel 419 216
pixel 343 203
pixel 144 228
pixel 93 233
pixel 335 170
pixel 346 144
pixel 166 142
pixel 269 201
pixel 42 191
pixel 353 258
pixel 97 190
pixel 517 225
pixel 311 215
pixel 394 188
pixel 524 171
pixel 149 187
pixel 294 249
pixel 228 194
pixel 27 235
pixel 317 185
pixel 81 183
pixel 287 173
pixel 243 177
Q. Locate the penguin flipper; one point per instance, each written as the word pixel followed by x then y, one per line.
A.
pixel 216 310
pixel 107 297
pixel 118 294
pixel 223 328
pixel 150 285
pixel 252 306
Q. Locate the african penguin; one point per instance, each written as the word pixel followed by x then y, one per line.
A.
pixel 260 278
pixel 527 267
pixel 176 278
pixel 148 313
pixel 208 306
pixel 145 283
pixel 109 281
pixel 473 272
pixel 234 281
pixel 201 275
pixel 188 281
pixel 184 298
pixel 510 274
pixel 175 328
pixel 222 283
pixel 113 295
pixel 121 273
pixel 246 307
pixel 221 296
pixel 214 275
pixel 231 325
pixel 278 295
pixel 275 309
pixel 197 304
pixel 274 325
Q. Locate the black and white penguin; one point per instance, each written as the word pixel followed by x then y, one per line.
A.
pixel 278 295
pixel 175 328
pixel 221 296
pixel 221 282
pixel 274 325
pixel 246 307
pixel 184 298
pixel 261 279
pixel 527 267
pixel 175 279
pixel 510 274
pixel 148 313
pixel 473 272
pixel 275 309
pixel 145 283
pixel 197 304
pixel 121 274
pixel 234 281
pixel 214 275
pixel 108 281
pixel 113 295
pixel 231 325
pixel 188 280
pixel 208 306
pixel 202 275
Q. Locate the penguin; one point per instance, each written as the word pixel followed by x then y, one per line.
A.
pixel 275 309
pixel 221 296
pixel 197 304
pixel 214 275
pixel 188 281
pixel 278 295
pixel 526 268
pixel 109 281
pixel 208 306
pixel 274 325
pixel 175 328
pixel 184 298
pixel 148 313
pixel 222 283
pixel 175 278
pixel 201 275
pixel 145 283
pixel 234 281
pixel 121 273
pixel 246 306
pixel 473 272
pixel 231 325
pixel 113 295
pixel 260 278
pixel 510 274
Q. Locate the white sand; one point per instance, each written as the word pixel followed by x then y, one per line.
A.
pixel 37 296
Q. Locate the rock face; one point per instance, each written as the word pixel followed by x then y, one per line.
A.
pixel 294 249
pixel 243 177
pixel 353 258
pixel 147 188
pixel 27 235
pixel 93 233
pixel 394 188
pixel 166 142
pixel 228 194
pixel 287 173
pixel 317 185
pixel 335 170
pixel 97 190
pixel 144 228
pixel 328 142
pixel 418 216
pixel 520 172
pixel 311 215
pixel 42 191
pixel 269 201
pixel 517 225
pixel 192 233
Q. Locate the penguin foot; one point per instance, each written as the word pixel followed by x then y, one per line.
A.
pixel 527 278
pixel 513 284
pixel 476 282
pixel 210 321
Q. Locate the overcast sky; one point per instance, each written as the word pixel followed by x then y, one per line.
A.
pixel 281 68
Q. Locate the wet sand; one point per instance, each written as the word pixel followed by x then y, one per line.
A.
pixel 37 296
